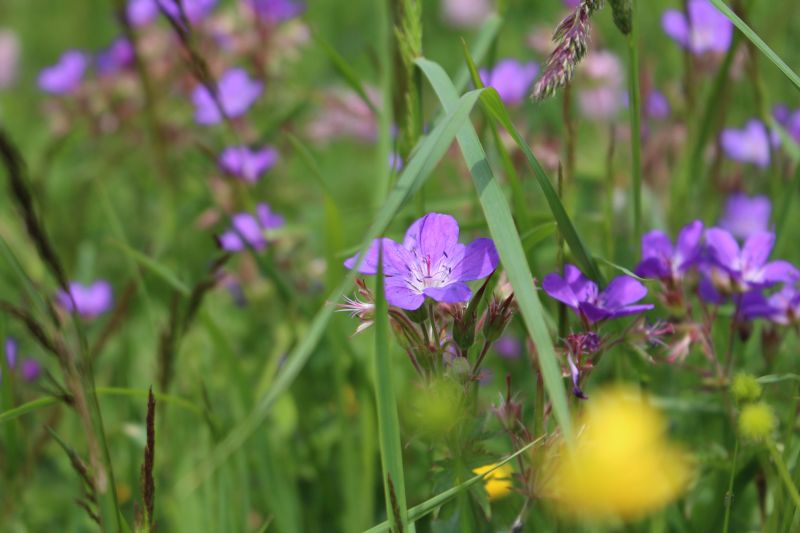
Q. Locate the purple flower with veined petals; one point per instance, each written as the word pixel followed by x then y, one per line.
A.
pixel 582 295
pixel 511 79
pixel 117 57
pixel 782 307
pixel 251 228
pixel 662 260
pixel 88 301
pixel 750 144
pixel 274 11
pixel 747 267
pixel 248 164
pixel 706 30
pixel 429 262
pixel 66 75
pixel 142 12
pixel 236 92
pixel 745 216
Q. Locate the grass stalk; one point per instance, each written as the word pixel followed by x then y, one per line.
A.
pixel 635 117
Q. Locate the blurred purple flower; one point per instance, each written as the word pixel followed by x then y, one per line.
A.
pixel 11 352
pixel 89 300
pixel 750 144
pixel 466 13
pixel 662 260
pixel 508 347
pixel 141 12
pixel 572 4
pixel 250 228
pixel 395 162
pixel 582 295
pixel 511 79
pixel 747 267
pixel 782 307
pixel 790 120
pixel 429 262
pixel 9 57
pixel 275 11
pixel 706 30
pixel 117 57
pixel 30 368
pixel 236 91
pixel 65 76
pixel 745 216
pixel 657 105
pixel 246 163
pixel 602 95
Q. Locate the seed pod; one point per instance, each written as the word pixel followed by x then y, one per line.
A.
pixel 622 13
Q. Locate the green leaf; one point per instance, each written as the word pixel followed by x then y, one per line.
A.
pixel 344 69
pixel 508 243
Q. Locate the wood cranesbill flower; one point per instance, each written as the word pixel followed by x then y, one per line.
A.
pixel 88 301
pixel 782 307
pixel 66 75
pixel 746 266
pixel 142 12
pixel 583 296
pixel 429 262
pixel 247 230
pixel 745 216
pixel 750 144
pixel 662 260
pixel 274 11
pixel 246 163
pixel 511 79
pixel 705 29
pixel 115 58
pixel 236 92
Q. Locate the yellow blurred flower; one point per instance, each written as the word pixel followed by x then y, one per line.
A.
pixel 498 483
pixel 622 465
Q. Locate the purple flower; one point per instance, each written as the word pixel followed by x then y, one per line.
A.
pixel 657 105
pixel 30 368
pixel 395 162
pixel 275 11
pixel 782 307
pixel 250 228
pixel 248 164
pixel 750 144
pixel 582 295
pixel 706 30
pixel 511 79
pixel 236 91
pixel 571 4
pixel 662 260
pixel 116 57
pixel 429 262
pixel 65 76
pixel 11 352
pixel 745 216
pixel 9 57
pixel 141 12
pixel 466 13
pixel 508 347
pixel 790 120
pixel 747 267
pixel 88 301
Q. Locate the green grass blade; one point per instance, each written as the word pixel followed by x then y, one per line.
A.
pixel 635 117
pixel 388 422
pixel 155 267
pixel 430 505
pixel 483 43
pixel 757 41
pixel 508 243
pixel 430 150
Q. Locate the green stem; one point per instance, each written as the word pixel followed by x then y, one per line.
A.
pixel 729 494
pixel 635 120
pixel 784 473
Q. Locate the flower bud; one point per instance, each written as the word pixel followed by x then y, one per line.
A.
pixel 757 421
pixel 623 14
pixel 745 388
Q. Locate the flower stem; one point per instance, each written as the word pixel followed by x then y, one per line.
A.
pixel 784 473
pixel 729 494
pixel 635 120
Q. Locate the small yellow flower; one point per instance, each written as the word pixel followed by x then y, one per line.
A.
pixel 498 483
pixel 621 465
pixel 757 421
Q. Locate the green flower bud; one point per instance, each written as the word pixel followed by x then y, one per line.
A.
pixel 745 388
pixel 757 421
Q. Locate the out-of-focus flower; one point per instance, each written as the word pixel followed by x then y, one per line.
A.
pixel 498 483
pixel 88 301
pixel 747 267
pixel 583 296
pixel 657 105
pixel 395 162
pixel 662 260
pixel 466 13
pixel 602 95
pixel 508 347
pixel 30 369
pixel 745 387
pixel 9 57
pixel 65 76
pixel 572 4
pixel 790 120
pixel 429 262
pixel 511 79
pixel 248 230
pixel 745 215
pixel 622 465
pixel 705 30
pixel 345 114
pixel 274 11
pixel 782 307
pixel 757 421
pixel 116 57
pixel 750 144
pixel 246 163
pixel 141 12
pixel 236 92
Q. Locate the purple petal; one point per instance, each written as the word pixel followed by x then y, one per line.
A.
pixel 11 352
pixel 745 216
pixel 400 295
pixel 674 24
pixel 748 145
pixel 724 249
pixel 66 75
pixel 556 287
pixel 479 260
pixel 656 254
pixel 453 293
pixel 780 272
pixel 230 242
pixel 756 250
pixel 370 264
pixel 512 80
pixel 247 227
pixel 710 31
pixel 594 313
pixel 31 370
pixel 584 288
pixel 622 290
pixel 709 293
pixel 267 218
pixel 688 245
pixel 434 234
